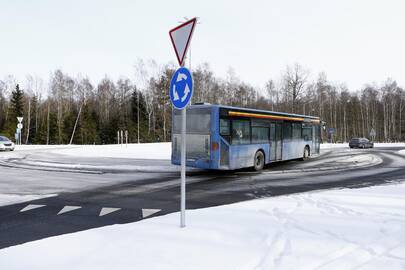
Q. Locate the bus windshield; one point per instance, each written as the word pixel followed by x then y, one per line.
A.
pixel 198 121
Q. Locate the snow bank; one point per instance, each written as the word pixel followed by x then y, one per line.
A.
pixel 402 152
pixel 141 151
pixel 136 151
pixel 7 199
pixel 341 229
pixel 346 145
pixel 389 144
pixel 333 145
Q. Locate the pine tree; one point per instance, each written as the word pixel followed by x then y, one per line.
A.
pixel 16 109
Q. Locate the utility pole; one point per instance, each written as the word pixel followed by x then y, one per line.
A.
pixel 138 113
pixel 29 121
pixel 77 120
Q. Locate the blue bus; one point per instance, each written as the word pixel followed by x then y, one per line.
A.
pixel 228 138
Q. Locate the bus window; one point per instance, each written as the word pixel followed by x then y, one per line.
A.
pixel 287 131
pixel 224 127
pixel 240 131
pixel 260 123
pixel 307 132
pixel 296 131
pixel 198 121
pixel 260 135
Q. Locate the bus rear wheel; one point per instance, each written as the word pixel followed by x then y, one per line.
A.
pixel 258 162
pixel 305 155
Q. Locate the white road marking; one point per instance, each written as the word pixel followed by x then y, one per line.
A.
pixel 68 208
pixel 107 210
pixel 149 212
pixel 32 206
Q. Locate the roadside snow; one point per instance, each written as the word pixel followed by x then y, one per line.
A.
pixel 333 145
pixel 140 151
pixel 401 152
pixel 346 145
pixel 7 199
pixel 98 168
pixel 135 151
pixel 340 229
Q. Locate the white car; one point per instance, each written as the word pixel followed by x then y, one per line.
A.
pixel 6 144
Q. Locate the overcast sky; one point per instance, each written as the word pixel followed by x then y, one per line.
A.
pixel 356 42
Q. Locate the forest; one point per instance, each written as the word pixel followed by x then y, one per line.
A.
pixel 67 109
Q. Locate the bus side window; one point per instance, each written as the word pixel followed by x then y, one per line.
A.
pixel 260 135
pixel 297 131
pixel 287 131
pixel 307 132
pixel 225 129
pixel 240 131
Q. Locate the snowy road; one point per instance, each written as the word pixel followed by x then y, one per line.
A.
pixel 46 194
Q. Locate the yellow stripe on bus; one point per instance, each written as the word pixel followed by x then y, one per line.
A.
pixel 265 116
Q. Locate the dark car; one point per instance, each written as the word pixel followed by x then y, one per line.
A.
pixel 360 143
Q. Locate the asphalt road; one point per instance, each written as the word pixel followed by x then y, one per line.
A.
pixel 101 195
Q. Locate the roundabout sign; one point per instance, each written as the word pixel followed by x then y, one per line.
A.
pixel 181 88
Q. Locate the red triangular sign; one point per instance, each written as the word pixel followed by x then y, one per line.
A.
pixel 180 37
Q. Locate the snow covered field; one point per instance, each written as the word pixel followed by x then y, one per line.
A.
pixel 339 229
pixel 6 199
pixel 138 151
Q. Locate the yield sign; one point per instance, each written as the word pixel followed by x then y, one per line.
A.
pixel 181 36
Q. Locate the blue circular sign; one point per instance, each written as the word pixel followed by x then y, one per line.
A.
pixel 181 88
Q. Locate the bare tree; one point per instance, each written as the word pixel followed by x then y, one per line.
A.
pixel 295 79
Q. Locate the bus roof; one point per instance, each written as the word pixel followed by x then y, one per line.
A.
pixel 255 111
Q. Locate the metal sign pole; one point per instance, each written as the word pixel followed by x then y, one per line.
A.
pixel 180 97
pixel 126 138
pixel 183 169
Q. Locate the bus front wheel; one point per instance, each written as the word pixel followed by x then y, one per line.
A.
pixel 258 162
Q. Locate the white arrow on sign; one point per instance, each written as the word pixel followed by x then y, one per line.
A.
pixel 186 92
pixel 181 77
pixel 180 37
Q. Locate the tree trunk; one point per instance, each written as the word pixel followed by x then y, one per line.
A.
pixel 29 121
pixel 47 124
pixel 77 120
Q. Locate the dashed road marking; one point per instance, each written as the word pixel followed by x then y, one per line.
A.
pixel 104 210
pixel 32 206
pixel 149 212
pixel 107 210
pixel 68 208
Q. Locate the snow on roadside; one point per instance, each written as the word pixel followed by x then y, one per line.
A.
pixel 389 145
pixel 140 151
pixel 7 199
pixel 135 151
pixel 339 229
pixel 346 145
pixel 333 145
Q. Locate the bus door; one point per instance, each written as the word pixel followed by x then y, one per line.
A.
pixel 275 141
pixel 317 138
